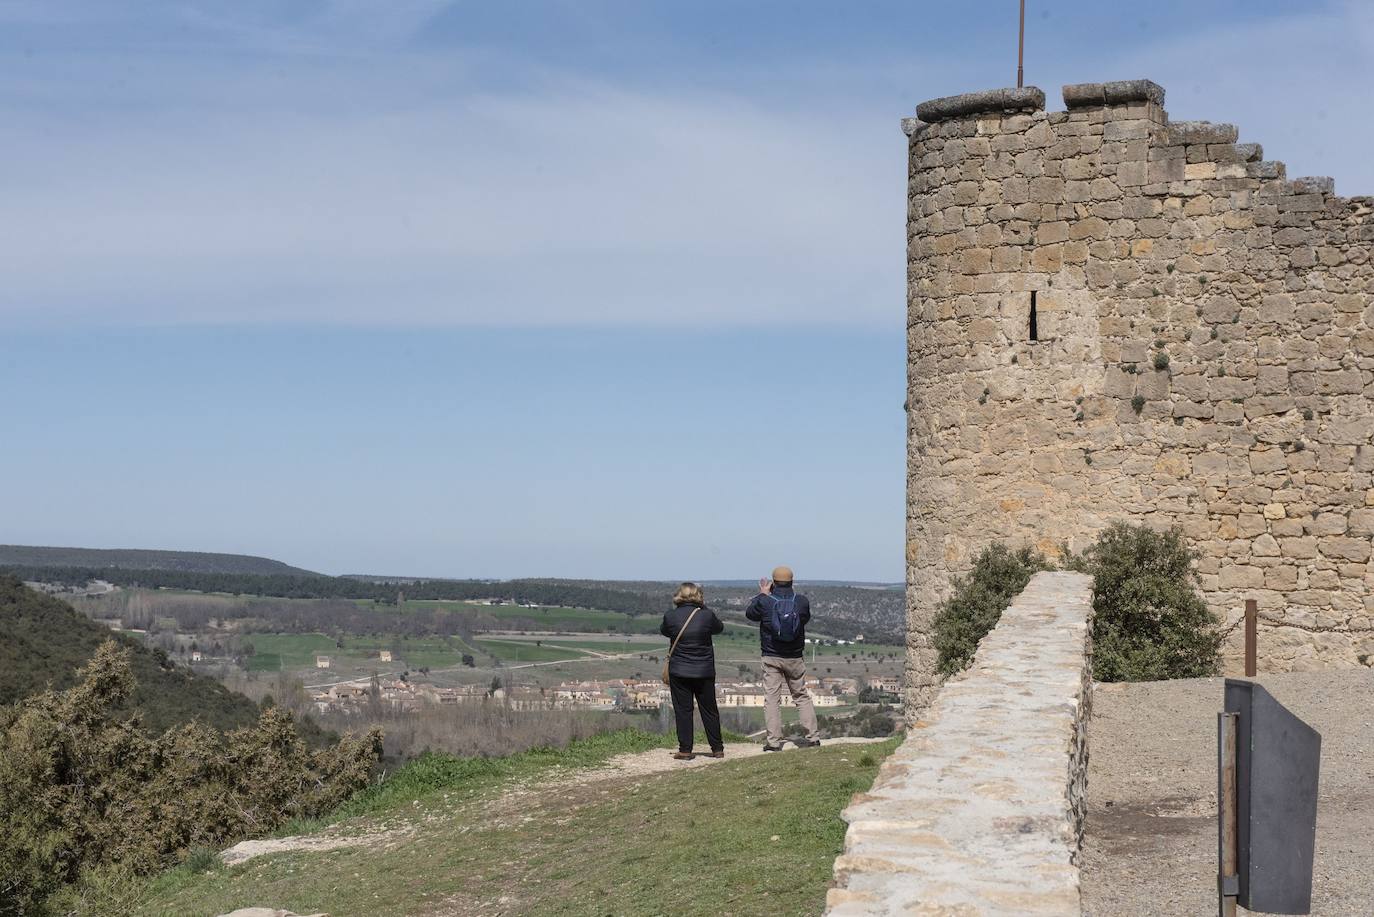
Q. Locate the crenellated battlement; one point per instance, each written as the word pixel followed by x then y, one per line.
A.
pixel 1114 315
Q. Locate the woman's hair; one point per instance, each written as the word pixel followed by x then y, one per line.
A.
pixel 689 594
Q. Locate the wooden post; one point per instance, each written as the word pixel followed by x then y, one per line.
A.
pixel 1251 628
pixel 1228 845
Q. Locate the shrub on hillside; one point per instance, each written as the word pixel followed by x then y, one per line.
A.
pixel 998 576
pixel 84 789
pixel 1149 621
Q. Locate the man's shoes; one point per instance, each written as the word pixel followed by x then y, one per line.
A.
pixel 716 753
pixel 807 743
pixel 683 755
pixel 767 747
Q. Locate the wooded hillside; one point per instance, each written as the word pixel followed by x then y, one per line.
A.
pixel 44 641
pixel 126 559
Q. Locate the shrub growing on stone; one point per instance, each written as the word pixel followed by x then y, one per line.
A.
pixel 85 791
pixel 998 576
pixel 1149 621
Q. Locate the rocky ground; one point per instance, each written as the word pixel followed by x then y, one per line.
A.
pixel 1151 846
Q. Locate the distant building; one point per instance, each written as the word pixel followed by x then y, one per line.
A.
pixel 385 655
pixel 322 662
pixel 645 696
pixel 459 695
pixel 755 696
pixel 840 685
pixel 196 656
pixel 583 694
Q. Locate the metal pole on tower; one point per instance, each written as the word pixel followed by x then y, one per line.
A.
pixel 1021 49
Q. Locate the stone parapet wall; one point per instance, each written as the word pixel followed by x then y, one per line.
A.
pixel 980 811
pixel 1202 356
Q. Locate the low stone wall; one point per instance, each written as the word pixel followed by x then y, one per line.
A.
pixel 980 812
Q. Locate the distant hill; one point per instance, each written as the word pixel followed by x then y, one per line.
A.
pixel 18 555
pixel 874 610
pixel 44 641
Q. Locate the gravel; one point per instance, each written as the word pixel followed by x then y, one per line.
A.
pixel 1150 846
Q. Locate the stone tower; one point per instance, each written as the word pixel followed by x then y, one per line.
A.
pixel 1112 316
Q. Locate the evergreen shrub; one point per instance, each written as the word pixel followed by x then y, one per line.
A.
pixel 1149 622
pixel 998 576
pixel 88 797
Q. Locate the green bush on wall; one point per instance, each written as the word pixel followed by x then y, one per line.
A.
pixel 998 576
pixel 1149 623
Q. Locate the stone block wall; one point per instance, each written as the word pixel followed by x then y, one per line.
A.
pixel 980 811
pixel 1115 316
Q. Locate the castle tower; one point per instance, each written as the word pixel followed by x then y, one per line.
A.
pixel 1112 316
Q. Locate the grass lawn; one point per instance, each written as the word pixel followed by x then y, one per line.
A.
pixel 691 842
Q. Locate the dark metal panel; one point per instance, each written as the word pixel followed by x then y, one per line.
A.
pixel 1278 760
pixel 1285 762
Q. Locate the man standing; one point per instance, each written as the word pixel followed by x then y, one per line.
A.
pixel 782 614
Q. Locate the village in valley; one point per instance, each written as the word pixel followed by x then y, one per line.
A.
pixel 351 663
pixel 622 694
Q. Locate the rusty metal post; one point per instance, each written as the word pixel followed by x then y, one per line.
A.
pixel 1228 803
pixel 1021 49
pixel 1251 638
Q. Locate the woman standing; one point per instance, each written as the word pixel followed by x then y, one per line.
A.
pixel 692 668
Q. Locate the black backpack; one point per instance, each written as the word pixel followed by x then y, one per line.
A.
pixel 785 620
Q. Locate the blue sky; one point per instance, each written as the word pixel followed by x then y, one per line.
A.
pixel 538 288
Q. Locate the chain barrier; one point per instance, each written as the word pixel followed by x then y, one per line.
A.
pixel 1310 628
pixel 1227 631
pixel 1316 628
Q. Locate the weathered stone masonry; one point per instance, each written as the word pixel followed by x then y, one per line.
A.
pixel 980 812
pixel 1117 317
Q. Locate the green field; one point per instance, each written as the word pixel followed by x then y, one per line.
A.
pixel 572 619
pixel 638 644
pixel 512 651
pixel 284 652
pixel 583 620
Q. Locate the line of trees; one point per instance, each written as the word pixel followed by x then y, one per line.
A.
pixel 573 595
pixel 841 611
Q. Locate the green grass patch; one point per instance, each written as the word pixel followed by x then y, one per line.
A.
pixel 277 652
pixel 637 645
pixel 511 651
pixel 585 620
pixel 692 842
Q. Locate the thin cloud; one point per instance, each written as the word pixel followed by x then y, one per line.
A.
pixel 323 168
pixel 588 205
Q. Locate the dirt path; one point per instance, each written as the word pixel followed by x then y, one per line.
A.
pixel 1151 843
pixel 514 802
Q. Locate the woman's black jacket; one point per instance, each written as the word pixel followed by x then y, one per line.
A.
pixel 694 657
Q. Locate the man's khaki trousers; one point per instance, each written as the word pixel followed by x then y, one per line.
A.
pixel 777 673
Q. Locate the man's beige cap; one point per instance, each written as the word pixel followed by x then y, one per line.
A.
pixel 782 574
